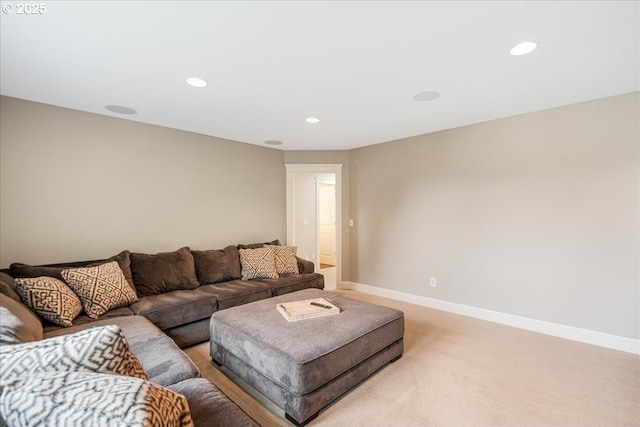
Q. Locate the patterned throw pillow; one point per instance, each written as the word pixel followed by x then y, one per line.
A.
pixel 102 349
pixel 258 263
pixel 285 257
pixel 50 298
pixel 89 399
pixel 100 288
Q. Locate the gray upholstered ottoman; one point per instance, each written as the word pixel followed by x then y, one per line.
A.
pixel 304 366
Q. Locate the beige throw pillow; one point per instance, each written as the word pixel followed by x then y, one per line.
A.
pixel 285 259
pixel 258 263
pixel 101 288
pixel 50 298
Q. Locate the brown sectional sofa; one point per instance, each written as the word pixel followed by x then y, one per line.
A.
pixel 181 308
pixel 178 291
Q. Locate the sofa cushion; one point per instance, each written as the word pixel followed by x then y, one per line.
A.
pixel 176 308
pixel 214 266
pixel 294 282
pixel 18 324
pixel 90 399
pixel 190 333
pixel 236 292
pixel 163 272
pixel 8 286
pixel 24 271
pixel 100 288
pixel 84 319
pixel 210 407
pixel 163 362
pixel 104 349
pixel 258 263
pixel 285 259
pixel 51 298
pixel 19 270
pixel 258 245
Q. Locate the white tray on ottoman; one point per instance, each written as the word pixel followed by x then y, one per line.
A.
pixel 303 366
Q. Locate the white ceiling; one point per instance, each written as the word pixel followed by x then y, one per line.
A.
pixel 354 65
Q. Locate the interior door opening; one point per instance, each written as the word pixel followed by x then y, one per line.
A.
pixel 314 217
pixel 326 192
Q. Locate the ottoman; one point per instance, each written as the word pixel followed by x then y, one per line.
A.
pixel 303 366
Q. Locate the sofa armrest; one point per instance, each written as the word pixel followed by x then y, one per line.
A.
pixel 305 266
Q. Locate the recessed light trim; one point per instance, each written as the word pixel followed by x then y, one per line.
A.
pixel 273 142
pixel 312 120
pixel 523 48
pixel 196 82
pixel 120 109
pixel 428 95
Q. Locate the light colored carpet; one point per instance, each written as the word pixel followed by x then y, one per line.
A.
pixel 459 371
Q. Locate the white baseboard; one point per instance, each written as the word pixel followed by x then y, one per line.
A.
pixel 601 339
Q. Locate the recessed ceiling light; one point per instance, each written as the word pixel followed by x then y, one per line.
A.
pixel 273 142
pixel 426 96
pixel 312 120
pixel 120 109
pixel 196 82
pixel 524 48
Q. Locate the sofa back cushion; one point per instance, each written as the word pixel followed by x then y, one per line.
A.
pixel 18 324
pixel 215 266
pixel 258 245
pixel 55 270
pixel 25 271
pixel 163 272
pixel 8 286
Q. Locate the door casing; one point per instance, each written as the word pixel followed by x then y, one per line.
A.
pixel 336 169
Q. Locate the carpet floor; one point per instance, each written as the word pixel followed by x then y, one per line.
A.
pixel 460 371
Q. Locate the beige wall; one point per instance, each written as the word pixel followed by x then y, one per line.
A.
pixel 535 215
pixel 80 186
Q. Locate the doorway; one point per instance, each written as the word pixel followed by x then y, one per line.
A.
pixel 326 191
pixel 314 217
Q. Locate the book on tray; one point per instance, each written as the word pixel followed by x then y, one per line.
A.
pixel 307 309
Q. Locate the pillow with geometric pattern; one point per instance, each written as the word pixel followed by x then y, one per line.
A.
pixel 285 258
pixel 90 399
pixel 258 263
pixel 51 298
pixel 101 288
pixel 101 349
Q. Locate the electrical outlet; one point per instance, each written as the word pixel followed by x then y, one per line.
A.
pixel 433 282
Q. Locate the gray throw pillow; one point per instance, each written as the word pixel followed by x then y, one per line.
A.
pixel 163 272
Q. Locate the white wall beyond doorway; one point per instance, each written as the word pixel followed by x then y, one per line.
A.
pixel 293 207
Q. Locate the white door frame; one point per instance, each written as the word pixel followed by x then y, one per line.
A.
pixel 336 169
